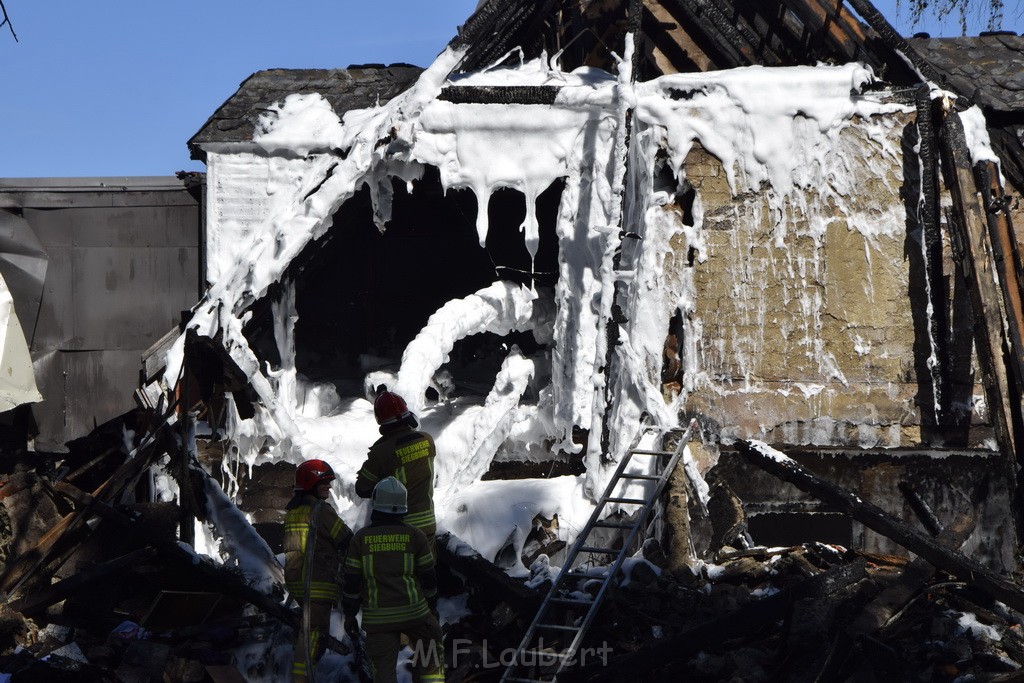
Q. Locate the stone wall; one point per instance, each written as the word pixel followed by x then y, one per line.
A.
pixel 806 328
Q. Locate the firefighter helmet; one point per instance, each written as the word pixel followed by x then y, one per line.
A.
pixel 311 473
pixel 389 408
pixel 390 496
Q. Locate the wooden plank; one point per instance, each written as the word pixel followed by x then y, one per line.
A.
pixel 23 567
pixel 879 520
pixel 1007 260
pixel 887 603
pixel 61 590
pixel 970 230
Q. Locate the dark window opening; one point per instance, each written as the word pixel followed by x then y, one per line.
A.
pixel 362 296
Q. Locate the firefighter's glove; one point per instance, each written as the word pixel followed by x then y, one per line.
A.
pixel 351 626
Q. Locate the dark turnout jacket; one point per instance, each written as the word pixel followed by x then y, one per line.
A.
pixel 408 456
pixel 389 573
pixel 317 555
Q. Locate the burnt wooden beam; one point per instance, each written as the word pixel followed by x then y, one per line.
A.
pixel 932 252
pixel 20 569
pixel 486 576
pixel 893 598
pixel 1007 259
pixel 746 620
pixel 738 33
pixel 877 519
pixel 834 22
pixel 970 232
pixel 497 94
pixel 923 511
pixel 41 599
pixel 725 49
pixel 92 464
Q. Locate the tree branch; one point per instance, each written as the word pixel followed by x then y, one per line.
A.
pixel 7 20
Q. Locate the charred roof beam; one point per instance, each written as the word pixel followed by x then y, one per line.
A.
pixel 724 51
pixel 838 28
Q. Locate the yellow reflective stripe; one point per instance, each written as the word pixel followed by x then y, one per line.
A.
pixel 424 561
pixel 336 528
pixel 407 571
pixel 317 589
pixel 400 476
pixel 352 562
pixel 395 614
pixel 420 519
pixel 368 475
pixel 372 589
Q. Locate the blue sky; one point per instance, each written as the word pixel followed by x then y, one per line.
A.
pixel 117 87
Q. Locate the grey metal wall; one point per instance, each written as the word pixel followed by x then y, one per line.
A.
pixel 123 262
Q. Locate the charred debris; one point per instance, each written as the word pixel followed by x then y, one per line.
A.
pixel 99 588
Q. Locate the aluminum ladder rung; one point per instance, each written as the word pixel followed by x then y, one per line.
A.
pixel 648 477
pixel 570 601
pixel 642 452
pixel 615 525
pixel 593 549
pixel 557 627
pixel 564 654
pixel 635 501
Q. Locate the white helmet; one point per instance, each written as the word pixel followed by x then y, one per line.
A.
pixel 390 496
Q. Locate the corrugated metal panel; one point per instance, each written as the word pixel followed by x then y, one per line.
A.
pixel 55 326
pixel 123 262
pixel 50 413
pixel 94 388
pixel 126 297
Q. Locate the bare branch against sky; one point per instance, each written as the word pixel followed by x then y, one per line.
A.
pixel 992 10
pixel 7 20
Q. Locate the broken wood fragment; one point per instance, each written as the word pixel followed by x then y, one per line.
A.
pixel 41 599
pixel 880 610
pixel 970 229
pixel 882 522
pixel 920 507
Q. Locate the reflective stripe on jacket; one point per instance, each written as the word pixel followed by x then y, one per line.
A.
pixel 390 573
pixel 407 455
pixel 331 539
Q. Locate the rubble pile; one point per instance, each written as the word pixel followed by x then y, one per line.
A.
pixel 808 612
pixel 99 588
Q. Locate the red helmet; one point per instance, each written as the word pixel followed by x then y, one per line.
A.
pixel 311 473
pixel 389 408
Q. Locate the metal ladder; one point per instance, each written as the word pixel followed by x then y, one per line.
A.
pixel 533 655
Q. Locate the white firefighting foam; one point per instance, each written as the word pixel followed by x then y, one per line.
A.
pixel 776 131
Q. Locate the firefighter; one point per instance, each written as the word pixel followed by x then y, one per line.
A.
pixel 315 541
pixel 389 573
pixel 405 453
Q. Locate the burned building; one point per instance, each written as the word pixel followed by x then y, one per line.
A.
pixel 773 241
pixel 753 223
